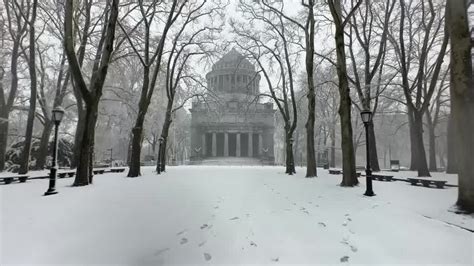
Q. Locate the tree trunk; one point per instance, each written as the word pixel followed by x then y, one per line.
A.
pixel 349 177
pixel 81 117
pixel 413 147
pixel 165 133
pixel 374 158
pixel 137 141
pixel 84 168
pixel 419 145
pixel 290 160
pixel 433 167
pixel 462 100
pixel 451 168
pixel 137 131
pixel 4 116
pixel 44 144
pixel 25 156
pixel 332 162
pixel 311 170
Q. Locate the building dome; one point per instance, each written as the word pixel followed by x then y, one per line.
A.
pixel 233 60
pixel 233 73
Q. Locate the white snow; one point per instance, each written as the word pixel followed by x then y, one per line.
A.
pixel 217 215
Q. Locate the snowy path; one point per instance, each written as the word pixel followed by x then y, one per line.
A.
pixel 230 215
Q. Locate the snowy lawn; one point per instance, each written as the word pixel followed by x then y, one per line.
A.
pixel 230 215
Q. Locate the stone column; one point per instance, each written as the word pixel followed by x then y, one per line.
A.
pixel 237 152
pixel 203 138
pixel 250 144
pixel 226 144
pixel 214 144
pixel 260 144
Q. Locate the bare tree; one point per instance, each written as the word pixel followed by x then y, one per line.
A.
pixel 275 41
pixel 434 117
pixel 462 99
pixel 308 27
pixel 151 64
pixel 418 14
pixel 25 156
pixel 17 29
pixel 90 94
pixel 363 25
pixel 349 177
pixel 184 48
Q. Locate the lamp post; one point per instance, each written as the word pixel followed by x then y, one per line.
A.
pixel 57 116
pixel 158 160
pixel 367 119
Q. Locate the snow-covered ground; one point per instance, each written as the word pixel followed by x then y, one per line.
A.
pixel 230 215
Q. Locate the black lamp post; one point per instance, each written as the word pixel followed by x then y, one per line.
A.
pixel 57 116
pixel 367 119
pixel 158 160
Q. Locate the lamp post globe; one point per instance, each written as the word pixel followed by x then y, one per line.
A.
pixel 56 116
pixel 366 116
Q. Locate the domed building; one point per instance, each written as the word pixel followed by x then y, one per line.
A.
pixel 231 122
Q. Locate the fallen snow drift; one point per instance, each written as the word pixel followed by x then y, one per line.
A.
pixel 230 215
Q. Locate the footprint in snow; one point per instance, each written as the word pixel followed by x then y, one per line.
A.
pixel 161 251
pixel 207 256
pixel 235 218
pixel 201 244
pixel 322 224
pixel 344 223
pixel 353 248
pixel 182 232
pixel 344 259
pixel 276 259
pixel 183 241
pixel 253 243
pixel 204 226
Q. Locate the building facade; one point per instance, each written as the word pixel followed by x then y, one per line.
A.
pixel 231 122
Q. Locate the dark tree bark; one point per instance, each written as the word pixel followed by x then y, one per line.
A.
pixel 433 167
pixel 462 99
pixel 349 177
pixel 90 96
pixel 25 155
pixel 452 165
pixel 311 170
pixel 81 112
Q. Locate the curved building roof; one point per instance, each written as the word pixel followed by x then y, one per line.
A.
pixel 233 59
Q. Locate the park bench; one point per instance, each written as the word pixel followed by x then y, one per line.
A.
pixel 335 171
pixel 117 170
pixel 98 171
pixel 427 182
pixel 9 179
pixel 63 174
pixel 380 177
